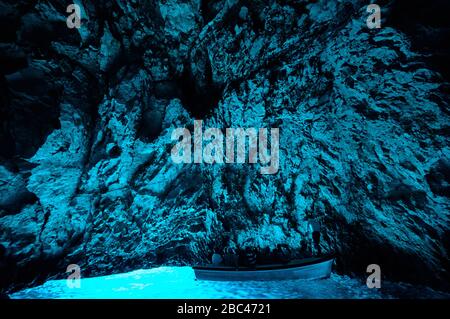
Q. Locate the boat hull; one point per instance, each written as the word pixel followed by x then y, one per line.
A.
pixel 316 268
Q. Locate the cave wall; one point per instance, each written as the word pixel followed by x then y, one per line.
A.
pixel 87 115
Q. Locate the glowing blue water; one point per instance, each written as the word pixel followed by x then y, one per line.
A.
pixel 180 283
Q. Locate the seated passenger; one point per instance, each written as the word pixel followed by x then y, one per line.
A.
pixel 265 256
pixel 216 259
pixel 281 254
pixel 250 257
pixel 231 258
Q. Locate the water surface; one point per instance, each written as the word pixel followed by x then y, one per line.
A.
pixel 180 283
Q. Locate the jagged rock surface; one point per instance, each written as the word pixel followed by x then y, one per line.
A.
pixel 87 115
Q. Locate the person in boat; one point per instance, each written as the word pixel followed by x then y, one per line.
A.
pixel 281 254
pixel 216 259
pixel 265 256
pixel 304 249
pixel 231 258
pixel 250 257
pixel 314 229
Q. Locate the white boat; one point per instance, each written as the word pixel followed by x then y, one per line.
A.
pixel 308 268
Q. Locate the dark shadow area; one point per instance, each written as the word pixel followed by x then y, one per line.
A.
pixel 428 25
pixel 210 9
pixel 29 112
pixel 198 99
